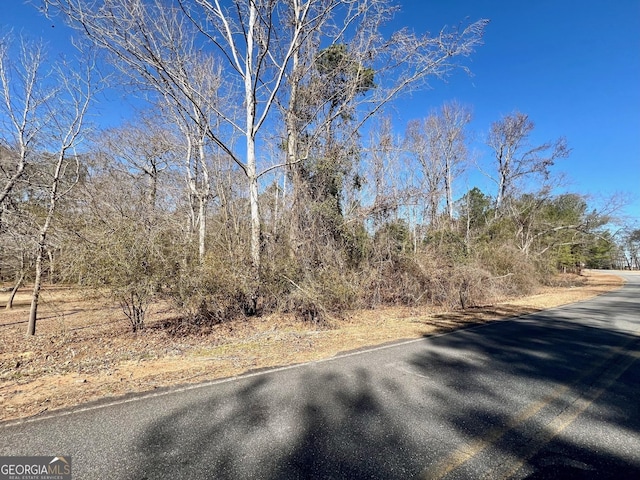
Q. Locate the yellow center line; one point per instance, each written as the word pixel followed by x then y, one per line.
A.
pixel 466 452
pixel 562 421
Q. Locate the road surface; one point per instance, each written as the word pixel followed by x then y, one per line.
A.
pixel 549 395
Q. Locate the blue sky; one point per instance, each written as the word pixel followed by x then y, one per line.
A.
pixel 572 66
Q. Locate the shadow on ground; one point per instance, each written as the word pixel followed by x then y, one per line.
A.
pixel 394 413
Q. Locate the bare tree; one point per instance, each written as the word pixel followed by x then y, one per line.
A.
pixel 23 110
pixel 516 159
pixel 67 112
pixel 453 120
pixel 156 42
pixel 257 41
pixel 438 144
pixel 141 149
pixel 627 246
pixel 340 88
pixel 42 118
pixel 387 188
pixel 197 116
pixel 117 242
pixel 16 246
pixel 422 142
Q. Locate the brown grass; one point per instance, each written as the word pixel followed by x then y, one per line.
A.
pixel 84 351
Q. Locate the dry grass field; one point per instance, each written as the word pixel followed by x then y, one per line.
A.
pixel 84 350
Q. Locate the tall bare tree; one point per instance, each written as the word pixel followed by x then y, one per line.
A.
pixel 341 87
pixel 23 111
pixel 516 160
pixel 43 112
pixel 454 119
pixel 156 42
pixel 67 111
pixel 387 189
pixel 257 43
pixel 438 143
pixel 422 141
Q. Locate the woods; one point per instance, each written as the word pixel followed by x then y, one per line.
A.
pixel 260 171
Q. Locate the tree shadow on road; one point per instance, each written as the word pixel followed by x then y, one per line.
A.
pixel 261 432
pixel 538 351
pixel 395 412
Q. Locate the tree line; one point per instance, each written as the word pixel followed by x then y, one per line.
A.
pixel 262 173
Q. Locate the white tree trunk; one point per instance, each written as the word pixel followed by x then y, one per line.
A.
pixel 202 227
pixel 448 189
pixel 252 176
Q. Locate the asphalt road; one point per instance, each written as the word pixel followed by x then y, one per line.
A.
pixel 549 395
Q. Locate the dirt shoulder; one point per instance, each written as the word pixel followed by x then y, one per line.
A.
pixel 83 350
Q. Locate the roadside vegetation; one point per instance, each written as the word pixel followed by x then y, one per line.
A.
pixel 259 175
pixel 85 352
